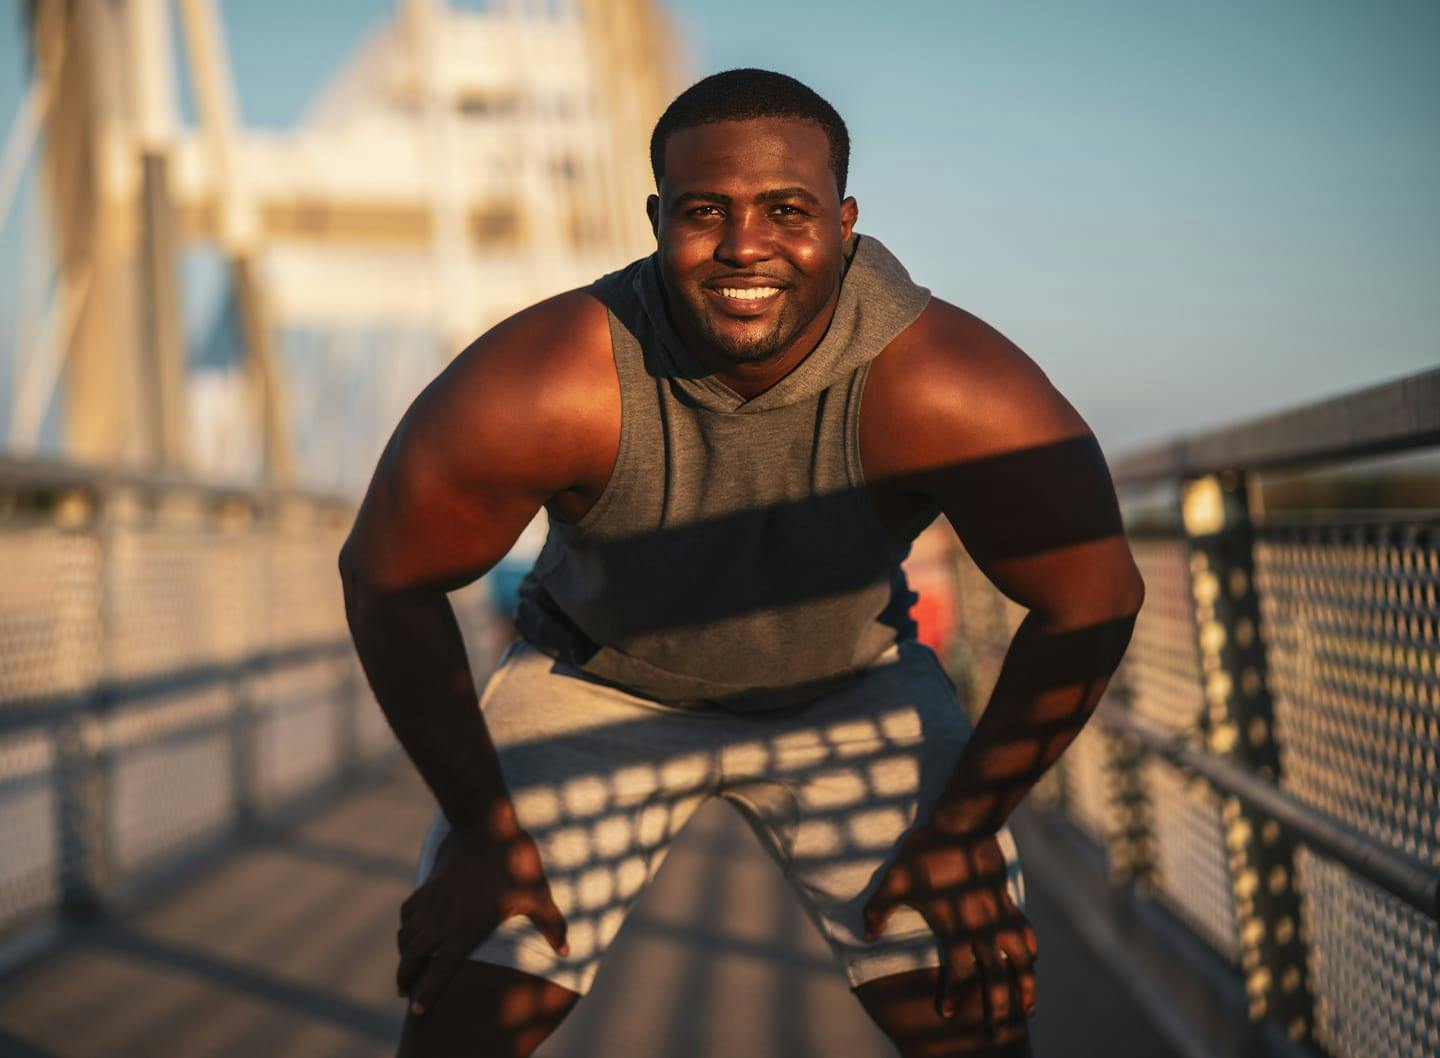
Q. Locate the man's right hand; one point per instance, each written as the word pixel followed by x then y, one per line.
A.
pixel 475 885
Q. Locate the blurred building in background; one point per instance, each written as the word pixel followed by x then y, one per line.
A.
pixel 253 306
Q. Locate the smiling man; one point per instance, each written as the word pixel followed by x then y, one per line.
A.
pixel 736 439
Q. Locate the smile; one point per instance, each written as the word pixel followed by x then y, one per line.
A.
pixel 749 293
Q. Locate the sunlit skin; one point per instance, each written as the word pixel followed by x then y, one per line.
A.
pixel 739 206
pixel 953 415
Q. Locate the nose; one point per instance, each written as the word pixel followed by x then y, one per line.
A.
pixel 745 240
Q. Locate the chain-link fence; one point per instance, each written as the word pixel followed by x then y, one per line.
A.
pixel 174 668
pixel 1266 762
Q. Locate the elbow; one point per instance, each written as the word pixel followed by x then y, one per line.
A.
pixel 1118 588
pixel 1122 597
pixel 1112 593
pixel 354 584
pixel 1132 591
pixel 360 566
pixel 345 561
pixel 345 564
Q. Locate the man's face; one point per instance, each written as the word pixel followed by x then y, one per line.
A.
pixel 750 230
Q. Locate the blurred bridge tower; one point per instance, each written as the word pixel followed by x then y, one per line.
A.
pixel 462 165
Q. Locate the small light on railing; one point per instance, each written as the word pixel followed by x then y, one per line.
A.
pixel 1284 930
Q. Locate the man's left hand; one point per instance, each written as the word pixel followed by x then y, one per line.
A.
pixel 959 885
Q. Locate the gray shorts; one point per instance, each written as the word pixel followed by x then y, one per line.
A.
pixel 603 781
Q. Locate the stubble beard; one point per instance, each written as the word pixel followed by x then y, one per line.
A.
pixel 751 347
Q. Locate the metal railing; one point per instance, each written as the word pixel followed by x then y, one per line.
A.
pixel 1265 761
pixel 174 670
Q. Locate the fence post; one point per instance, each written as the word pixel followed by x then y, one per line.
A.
pixel 1130 841
pixel 236 526
pixel 80 807
pixel 1240 726
pixel 82 769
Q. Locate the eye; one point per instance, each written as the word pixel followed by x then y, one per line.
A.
pixel 703 212
pixel 788 212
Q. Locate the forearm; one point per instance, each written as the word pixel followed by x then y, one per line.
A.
pixel 413 654
pixel 1052 679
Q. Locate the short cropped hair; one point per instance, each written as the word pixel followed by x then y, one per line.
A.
pixel 744 94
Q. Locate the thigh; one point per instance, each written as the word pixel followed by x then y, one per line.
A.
pixel 602 781
pixel 488 1011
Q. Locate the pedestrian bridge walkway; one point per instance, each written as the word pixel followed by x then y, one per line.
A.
pixel 206 828
pixel 284 945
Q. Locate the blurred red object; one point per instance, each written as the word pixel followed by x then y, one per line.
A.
pixel 931 572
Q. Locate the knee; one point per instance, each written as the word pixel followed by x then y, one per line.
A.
pixel 487 1010
pixel 903 1006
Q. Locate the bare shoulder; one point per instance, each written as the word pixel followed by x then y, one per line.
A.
pixel 527 415
pixel 950 388
pixel 534 401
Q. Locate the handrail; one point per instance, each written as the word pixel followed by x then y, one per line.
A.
pixel 1398 873
pixel 50 472
pixel 112 695
pixel 1390 417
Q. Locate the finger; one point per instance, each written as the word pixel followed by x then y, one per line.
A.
pixel 957 974
pixel 896 882
pixel 1022 969
pixel 409 972
pixel 878 910
pixel 995 984
pixel 1031 941
pixel 439 972
pixel 894 887
pixel 415 952
pixel 876 914
pixel 940 917
pixel 550 923
pixel 1025 990
pixel 892 891
pixel 412 903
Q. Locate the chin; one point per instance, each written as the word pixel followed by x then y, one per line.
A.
pixel 746 349
pixel 748 346
pixel 747 352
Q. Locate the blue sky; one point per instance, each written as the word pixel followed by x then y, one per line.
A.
pixel 1185 213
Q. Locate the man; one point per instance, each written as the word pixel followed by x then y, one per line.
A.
pixel 719 609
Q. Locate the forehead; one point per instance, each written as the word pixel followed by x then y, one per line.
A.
pixel 760 153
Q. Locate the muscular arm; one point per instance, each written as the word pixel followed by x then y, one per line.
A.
pixel 521 418
pixel 527 415
pixel 1021 478
pixel 956 415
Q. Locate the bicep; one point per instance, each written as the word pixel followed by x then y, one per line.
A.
pixel 527 412
pixel 443 505
pixel 476 456
pixel 1027 488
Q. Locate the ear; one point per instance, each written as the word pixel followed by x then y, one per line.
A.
pixel 849 213
pixel 652 210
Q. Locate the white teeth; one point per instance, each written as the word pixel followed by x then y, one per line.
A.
pixel 750 293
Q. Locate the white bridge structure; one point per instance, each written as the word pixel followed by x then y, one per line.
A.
pixel 259 306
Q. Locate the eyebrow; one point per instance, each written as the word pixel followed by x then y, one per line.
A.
pixel 779 194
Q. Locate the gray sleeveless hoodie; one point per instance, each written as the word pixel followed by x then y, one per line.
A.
pixel 734 558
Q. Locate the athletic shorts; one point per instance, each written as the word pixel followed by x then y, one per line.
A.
pixel 604 780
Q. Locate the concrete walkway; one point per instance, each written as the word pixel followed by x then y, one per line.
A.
pixel 285 947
